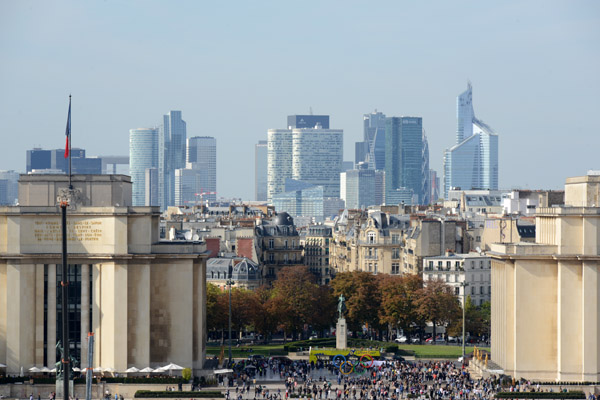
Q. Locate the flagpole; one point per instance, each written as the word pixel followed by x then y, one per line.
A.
pixel 70 184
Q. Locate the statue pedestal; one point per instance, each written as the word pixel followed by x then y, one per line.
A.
pixel 341 334
pixel 59 389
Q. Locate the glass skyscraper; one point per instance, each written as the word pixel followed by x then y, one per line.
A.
pixel 404 158
pixel 202 157
pixel 143 154
pixel 473 162
pixel 374 135
pixel 172 155
pixel 260 170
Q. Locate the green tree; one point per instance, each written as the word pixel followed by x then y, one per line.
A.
pixel 437 303
pixel 474 323
pixel 263 318
pixel 216 309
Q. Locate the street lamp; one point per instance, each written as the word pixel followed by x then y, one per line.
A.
pixel 464 285
pixel 229 283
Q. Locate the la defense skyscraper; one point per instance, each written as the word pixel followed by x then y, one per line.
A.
pixel 305 152
pixel 472 163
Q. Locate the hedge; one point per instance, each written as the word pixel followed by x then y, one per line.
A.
pixel 330 342
pixel 142 380
pixel 586 383
pixel 540 395
pixel 146 394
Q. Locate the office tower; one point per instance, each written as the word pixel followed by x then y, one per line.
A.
pixel 374 136
pixel 361 152
pixel 151 187
pixel 143 154
pixel 404 156
pixel 473 162
pixel 9 187
pixel 39 159
pixel 311 155
pixel 317 155
pixel 260 170
pixel 379 187
pixel 202 157
pixel 279 161
pixel 187 183
pixel 307 121
pixel 171 155
pixel 360 187
pixel 434 181
pixel 425 182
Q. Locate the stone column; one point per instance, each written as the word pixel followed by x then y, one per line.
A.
pixel 590 321
pixel 341 335
pixel 39 314
pixel 51 328
pixel 85 313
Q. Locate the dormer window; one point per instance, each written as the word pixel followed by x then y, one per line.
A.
pixel 371 237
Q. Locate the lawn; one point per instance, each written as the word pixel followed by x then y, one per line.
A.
pixel 436 351
pixel 419 350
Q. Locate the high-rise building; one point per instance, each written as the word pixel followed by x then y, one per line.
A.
pixel 313 155
pixel 360 187
pixel 473 162
pixel 260 170
pixel 202 156
pixel 143 154
pixel 151 187
pixel 39 159
pixel 171 154
pixel 434 181
pixel 374 135
pixel 279 161
pixel 317 155
pixel 404 158
pixel 307 121
pixel 9 187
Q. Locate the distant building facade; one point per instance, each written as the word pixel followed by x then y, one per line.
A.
pixel 316 252
pixel 9 187
pixel 143 155
pixel 39 159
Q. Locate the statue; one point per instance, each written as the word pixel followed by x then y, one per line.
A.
pixel 341 306
pixel 59 365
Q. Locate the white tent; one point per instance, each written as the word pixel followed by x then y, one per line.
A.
pixel 132 370
pixel 146 370
pixel 34 369
pixel 172 367
pixel 2 365
pixel 160 370
pixel 75 369
pixel 45 369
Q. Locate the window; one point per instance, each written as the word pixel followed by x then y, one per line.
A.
pixel 481 264
pixel 271 257
pixel 489 290
pixel 293 244
pixel 431 264
pixel 371 237
pixel 395 268
pixel 457 291
pixel 480 289
pixel 457 265
pixel 285 244
pixel 472 290
pixel 370 267
pixel 375 268
pixel 396 254
pixel 472 264
pixel 448 263
pixel 395 238
pixel 271 243
pixel 478 238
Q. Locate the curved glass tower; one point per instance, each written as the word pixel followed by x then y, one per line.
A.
pixel 143 154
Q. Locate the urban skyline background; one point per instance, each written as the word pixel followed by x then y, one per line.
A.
pixel 237 70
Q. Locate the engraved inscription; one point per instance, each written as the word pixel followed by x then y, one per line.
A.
pixel 80 231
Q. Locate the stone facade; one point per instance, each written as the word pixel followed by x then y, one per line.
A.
pixel 279 244
pixel 143 298
pixel 545 295
pixel 316 252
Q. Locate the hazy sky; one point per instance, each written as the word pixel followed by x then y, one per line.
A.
pixel 236 69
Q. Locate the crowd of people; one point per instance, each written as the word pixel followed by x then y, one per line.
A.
pixel 382 380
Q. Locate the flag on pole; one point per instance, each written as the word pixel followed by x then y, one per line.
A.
pixel 68 130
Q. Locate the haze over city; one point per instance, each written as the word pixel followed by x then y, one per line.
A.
pixel 238 69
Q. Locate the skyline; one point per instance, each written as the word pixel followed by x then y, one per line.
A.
pixel 533 66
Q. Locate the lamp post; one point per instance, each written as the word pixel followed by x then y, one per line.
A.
pixel 464 285
pixel 229 283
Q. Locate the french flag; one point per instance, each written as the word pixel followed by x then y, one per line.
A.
pixel 68 130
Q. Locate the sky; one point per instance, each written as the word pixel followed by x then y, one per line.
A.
pixel 236 69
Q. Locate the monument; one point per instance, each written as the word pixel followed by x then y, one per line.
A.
pixel 341 335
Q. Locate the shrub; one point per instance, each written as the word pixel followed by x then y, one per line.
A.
pixel 186 374
pixel 142 380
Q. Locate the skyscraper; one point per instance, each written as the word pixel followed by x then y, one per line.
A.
pixel 202 156
pixel 55 159
pixel 172 155
pixel 360 187
pixel 473 162
pixel 143 154
pixel 312 155
pixel 260 170
pixel 9 187
pixel 374 135
pixel 405 154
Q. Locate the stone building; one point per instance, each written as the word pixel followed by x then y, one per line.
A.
pixel 545 295
pixel 279 244
pixel 316 252
pixel 143 298
pixel 244 273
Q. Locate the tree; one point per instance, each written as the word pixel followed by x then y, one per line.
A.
pixel 263 318
pixel 216 309
pixel 243 307
pixel 398 301
pixel 362 295
pixel 294 299
pixel 437 303
pixel 473 320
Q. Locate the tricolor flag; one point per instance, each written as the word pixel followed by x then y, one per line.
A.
pixel 68 130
